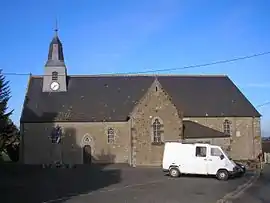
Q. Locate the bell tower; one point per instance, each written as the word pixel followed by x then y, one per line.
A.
pixel 55 71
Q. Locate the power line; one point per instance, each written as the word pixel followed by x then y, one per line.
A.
pixel 16 74
pixel 168 69
pixel 263 104
pixel 207 64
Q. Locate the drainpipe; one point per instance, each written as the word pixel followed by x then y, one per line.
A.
pixel 253 142
pixel 133 144
pixel 21 155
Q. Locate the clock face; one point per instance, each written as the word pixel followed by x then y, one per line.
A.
pixel 55 86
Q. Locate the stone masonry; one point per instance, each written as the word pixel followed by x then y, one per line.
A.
pixel 133 139
pixel 155 104
pixel 75 136
pixel 245 141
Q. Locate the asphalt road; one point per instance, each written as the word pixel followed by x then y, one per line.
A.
pixel 109 184
pixel 259 192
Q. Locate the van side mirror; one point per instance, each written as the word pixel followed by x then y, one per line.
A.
pixel 222 157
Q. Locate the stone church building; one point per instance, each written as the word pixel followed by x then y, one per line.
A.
pixel 128 118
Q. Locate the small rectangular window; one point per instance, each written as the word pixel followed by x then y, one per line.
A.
pixel 201 151
pixel 215 152
pixel 110 135
pixel 54 76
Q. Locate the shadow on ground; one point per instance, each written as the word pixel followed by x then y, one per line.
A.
pixel 210 176
pixel 32 184
pixel 259 191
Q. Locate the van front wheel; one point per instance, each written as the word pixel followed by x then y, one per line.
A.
pixel 222 175
pixel 174 172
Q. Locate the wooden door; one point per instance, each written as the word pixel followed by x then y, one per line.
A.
pixel 87 156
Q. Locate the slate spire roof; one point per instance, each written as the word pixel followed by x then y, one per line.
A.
pixel 55 55
pixel 112 98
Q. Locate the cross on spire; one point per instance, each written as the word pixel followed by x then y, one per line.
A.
pixel 56 55
pixel 56 27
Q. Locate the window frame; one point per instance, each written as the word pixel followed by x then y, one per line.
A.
pixel 157 129
pixel 227 127
pixel 197 153
pixel 110 135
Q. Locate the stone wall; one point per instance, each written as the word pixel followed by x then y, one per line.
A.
pixel 245 142
pixel 155 104
pixel 37 147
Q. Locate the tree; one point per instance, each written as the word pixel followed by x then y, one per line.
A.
pixel 4 98
pixel 8 131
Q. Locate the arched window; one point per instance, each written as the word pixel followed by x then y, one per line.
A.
pixel 157 137
pixel 56 135
pixel 54 75
pixel 87 140
pixel 227 127
pixel 111 135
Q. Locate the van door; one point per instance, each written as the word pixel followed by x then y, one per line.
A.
pixel 200 162
pixel 214 162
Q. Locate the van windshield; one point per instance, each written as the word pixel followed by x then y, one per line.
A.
pixel 226 154
pixel 218 152
pixel 215 151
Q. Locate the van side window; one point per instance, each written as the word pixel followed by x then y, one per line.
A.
pixel 215 152
pixel 201 151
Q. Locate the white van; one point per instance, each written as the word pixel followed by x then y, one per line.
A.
pixel 203 159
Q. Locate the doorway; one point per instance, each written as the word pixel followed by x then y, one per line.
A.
pixel 87 156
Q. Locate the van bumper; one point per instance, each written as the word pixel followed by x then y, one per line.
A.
pixel 237 171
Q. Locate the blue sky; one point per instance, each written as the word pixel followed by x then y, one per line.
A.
pixel 103 36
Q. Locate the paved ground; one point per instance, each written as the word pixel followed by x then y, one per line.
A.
pixel 259 192
pixel 108 184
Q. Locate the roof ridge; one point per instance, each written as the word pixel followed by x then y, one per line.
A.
pixel 149 75
pixel 142 75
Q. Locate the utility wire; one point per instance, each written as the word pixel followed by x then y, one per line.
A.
pixel 206 64
pixel 168 69
pixel 263 104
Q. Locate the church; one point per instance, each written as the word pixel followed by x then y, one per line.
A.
pixel 127 118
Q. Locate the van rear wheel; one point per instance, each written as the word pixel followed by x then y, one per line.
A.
pixel 174 172
pixel 222 175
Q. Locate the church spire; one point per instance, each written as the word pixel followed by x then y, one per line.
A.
pixel 55 55
pixel 55 71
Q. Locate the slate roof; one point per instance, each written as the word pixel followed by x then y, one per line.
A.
pixel 55 57
pixel 193 130
pixel 112 98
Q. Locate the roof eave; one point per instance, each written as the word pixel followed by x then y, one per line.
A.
pixel 25 98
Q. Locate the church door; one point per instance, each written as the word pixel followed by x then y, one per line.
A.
pixel 87 154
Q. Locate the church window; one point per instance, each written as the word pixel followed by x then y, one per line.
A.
pixel 54 76
pixel 157 128
pixel 111 136
pixel 227 127
pixel 56 135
